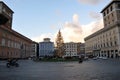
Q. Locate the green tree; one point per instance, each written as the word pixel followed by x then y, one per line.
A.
pixel 59 45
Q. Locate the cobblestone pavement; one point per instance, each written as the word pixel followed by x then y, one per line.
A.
pixel 88 70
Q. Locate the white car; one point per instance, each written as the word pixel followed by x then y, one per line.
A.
pixel 95 58
pixel 86 57
pixel 104 58
pixel 100 57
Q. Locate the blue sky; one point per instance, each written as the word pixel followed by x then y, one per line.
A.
pixel 37 19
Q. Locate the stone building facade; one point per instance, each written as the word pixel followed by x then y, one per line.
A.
pixel 81 49
pixel 70 49
pixel 74 49
pixel 106 42
pixel 35 50
pixel 12 43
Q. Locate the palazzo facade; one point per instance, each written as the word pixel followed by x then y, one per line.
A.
pixel 106 42
pixel 12 43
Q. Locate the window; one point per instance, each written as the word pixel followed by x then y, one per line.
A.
pixel 108 17
pixel 9 21
pixel 104 19
pixel 104 14
pixel 8 43
pixel 104 44
pixel 112 15
pixel 101 45
pixel 115 43
pixel 110 33
pixel 107 11
pixel 111 43
pixel 111 8
pixel 12 44
pixel 0 7
pixel 2 54
pixel 107 44
pixel 4 35
pixel 103 36
pixel 112 20
pixel 3 42
pixel 118 6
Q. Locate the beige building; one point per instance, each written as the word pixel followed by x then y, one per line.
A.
pixel 106 42
pixel 70 49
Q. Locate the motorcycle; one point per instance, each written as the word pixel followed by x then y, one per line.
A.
pixel 12 63
pixel 80 60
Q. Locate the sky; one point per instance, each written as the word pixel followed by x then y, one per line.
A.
pixel 38 19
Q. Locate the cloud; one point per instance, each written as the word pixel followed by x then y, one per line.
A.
pixel 92 27
pixel 76 19
pixel 97 25
pixel 42 36
pixel 74 31
pixel 93 2
pixel 53 27
pixel 71 32
pixel 95 15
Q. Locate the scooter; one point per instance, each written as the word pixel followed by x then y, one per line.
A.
pixel 80 60
pixel 12 62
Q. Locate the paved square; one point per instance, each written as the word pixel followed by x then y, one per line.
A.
pixel 88 70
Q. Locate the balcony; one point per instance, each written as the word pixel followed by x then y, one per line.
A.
pixel 3 19
pixel 5 13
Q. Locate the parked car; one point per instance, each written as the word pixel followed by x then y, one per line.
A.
pixel 95 58
pixel 100 57
pixel 104 58
pixel 85 58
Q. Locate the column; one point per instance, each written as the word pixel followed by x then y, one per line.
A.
pixel 110 53
pixel 100 53
pixel 114 54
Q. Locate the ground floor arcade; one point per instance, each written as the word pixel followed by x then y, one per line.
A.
pixel 107 53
